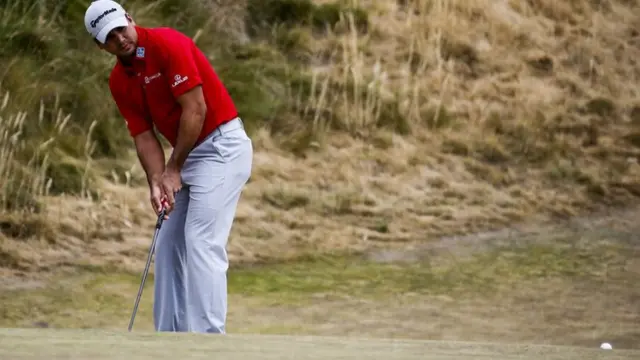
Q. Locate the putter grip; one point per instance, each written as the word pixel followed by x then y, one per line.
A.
pixel 160 219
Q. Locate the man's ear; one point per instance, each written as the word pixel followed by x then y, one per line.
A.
pixel 130 18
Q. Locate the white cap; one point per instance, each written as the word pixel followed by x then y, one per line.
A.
pixel 102 16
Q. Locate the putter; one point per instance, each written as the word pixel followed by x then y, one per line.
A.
pixel 146 269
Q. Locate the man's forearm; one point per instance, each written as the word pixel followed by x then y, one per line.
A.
pixel 188 132
pixel 150 154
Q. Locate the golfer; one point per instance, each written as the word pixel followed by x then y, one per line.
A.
pixel 161 79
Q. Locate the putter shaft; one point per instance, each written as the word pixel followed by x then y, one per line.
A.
pixel 146 268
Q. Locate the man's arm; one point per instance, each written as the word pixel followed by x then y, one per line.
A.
pixel 180 64
pixel 194 110
pixel 151 155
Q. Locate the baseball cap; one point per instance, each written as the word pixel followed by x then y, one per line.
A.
pixel 102 16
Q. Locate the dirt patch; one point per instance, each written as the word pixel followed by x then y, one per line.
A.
pixel 13 281
pixel 616 225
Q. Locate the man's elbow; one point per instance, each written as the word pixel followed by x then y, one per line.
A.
pixel 200 110
pixel 145 139
pixel 193 104
pixel 195 113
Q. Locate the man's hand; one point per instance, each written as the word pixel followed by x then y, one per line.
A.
pixel 152 159
pixel 170 184
pixel 156 196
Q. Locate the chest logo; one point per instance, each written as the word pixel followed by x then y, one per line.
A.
pixel 147 79
pixel 140 52
pixel 179 80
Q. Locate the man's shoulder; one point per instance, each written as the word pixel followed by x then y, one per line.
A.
pixel 116 77
pixel 165 35
pixel 115 74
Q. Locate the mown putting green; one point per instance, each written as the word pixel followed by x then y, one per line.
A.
pixel 21 344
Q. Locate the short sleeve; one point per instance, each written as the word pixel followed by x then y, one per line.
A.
pixel 133 114
pixel 181 69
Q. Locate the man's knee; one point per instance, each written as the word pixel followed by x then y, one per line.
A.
pixel 207 248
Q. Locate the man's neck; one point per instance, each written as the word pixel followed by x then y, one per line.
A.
pixel 126 60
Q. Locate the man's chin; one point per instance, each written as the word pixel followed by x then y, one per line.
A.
pixel 126 53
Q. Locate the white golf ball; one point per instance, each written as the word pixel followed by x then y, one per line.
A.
pixel 605 346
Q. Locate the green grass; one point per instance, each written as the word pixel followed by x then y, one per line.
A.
pixel 265 14
pixel 554 289
pixel 103 297
pixel 46 344
pixel 482 273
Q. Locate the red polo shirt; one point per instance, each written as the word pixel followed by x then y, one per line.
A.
pixel 166 64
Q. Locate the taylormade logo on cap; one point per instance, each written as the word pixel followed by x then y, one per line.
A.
pixel 102 16
pixel 107 12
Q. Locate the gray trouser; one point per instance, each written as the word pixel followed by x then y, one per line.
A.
pixel 191 258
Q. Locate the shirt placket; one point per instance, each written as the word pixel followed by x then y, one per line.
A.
pixel 140 77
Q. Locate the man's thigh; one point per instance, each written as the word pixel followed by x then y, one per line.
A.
pixel 215 173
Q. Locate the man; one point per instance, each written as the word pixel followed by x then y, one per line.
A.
pixel 162 79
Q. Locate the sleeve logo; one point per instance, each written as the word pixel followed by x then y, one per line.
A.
pixel 179 80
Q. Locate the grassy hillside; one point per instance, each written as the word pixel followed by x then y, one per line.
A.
pixel 375 123
pixel 382 131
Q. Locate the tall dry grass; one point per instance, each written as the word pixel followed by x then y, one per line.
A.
pixel 442 63
pixel 544 87
pixel 462 116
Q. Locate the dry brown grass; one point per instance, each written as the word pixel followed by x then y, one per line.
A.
pixel 492 112
pixel 514 110
pixel 443 118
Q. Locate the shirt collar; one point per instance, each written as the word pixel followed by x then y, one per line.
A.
pixel 143 41
pixel 140 53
